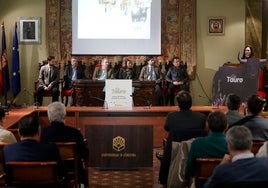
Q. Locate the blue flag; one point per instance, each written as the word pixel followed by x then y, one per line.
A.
pixel 15 64
pixel 4 62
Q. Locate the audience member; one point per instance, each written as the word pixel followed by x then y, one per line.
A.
pixel 233 104
pixel 182 125
pixel 103 72
pixel 48 80
pixel 72 72
pixel 254 121
pixel 151 72
pixel 214 145
pixel 59 132
pixel 5 135
pixel 30 148
pixel 178 78
pixel 127 72
pixel 240 165
pixel 185 118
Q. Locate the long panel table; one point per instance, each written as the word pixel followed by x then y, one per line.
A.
pixel 80 117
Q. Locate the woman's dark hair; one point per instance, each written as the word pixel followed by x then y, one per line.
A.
pixel 251 50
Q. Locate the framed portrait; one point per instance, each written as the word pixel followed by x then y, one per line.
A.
pixel 29 30
pixel 216 25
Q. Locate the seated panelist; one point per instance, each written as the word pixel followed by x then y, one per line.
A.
pixel 48 80
pixel 150 72
pixel 103 72
pixel 127 72
pixel 178 78
pixel 72 72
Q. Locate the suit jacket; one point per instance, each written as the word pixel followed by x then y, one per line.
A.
pixel 68 73
pixel 242 170
pixel 176 136
pixel 185 119
pixel 179 154
pixel 145 73
pixel 233 116
pixel 98 71
pixel 127 74
pixel 179 74
pixel 257 125
pixel 44 79
pixel 31 150
pixel 58 132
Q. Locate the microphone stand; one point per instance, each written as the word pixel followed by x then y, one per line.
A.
pixel 105 104
pixel 146 99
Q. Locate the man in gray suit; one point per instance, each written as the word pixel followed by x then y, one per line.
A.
pixel 151 72
pixel 48 80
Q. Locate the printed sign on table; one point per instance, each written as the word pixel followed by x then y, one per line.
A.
pixel 118 93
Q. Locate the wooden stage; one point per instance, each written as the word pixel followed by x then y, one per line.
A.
pixel 80 117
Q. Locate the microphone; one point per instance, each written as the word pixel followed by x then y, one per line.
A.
pixel 36 104
pixel 146 99
pixel 105 104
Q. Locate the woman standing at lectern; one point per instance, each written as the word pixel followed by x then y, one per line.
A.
pixel 248 52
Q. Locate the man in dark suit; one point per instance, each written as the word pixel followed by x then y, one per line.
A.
pixel 182 125
pixel 178 78
pixel 73 71
pixel 48 80
pixel 59 132
pixel 30 149
pixel 185 118
pixel 240 165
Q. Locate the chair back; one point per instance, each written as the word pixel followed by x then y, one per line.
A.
pixel 31 173
pixel 256 146
pixel 2 173
pixel 204 167
pixel 68 153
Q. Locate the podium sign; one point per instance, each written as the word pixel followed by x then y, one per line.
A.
pixel 118 93
pixel 241 80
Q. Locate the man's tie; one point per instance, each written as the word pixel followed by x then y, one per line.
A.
pixel 50 73
pixel 150 73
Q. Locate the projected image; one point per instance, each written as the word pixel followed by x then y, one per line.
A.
pixel 114 19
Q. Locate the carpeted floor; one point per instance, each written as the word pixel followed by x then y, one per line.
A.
pixel 142 178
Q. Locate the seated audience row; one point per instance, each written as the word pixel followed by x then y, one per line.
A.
pixel 39 144
pixel 252 127
pixel 240 167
